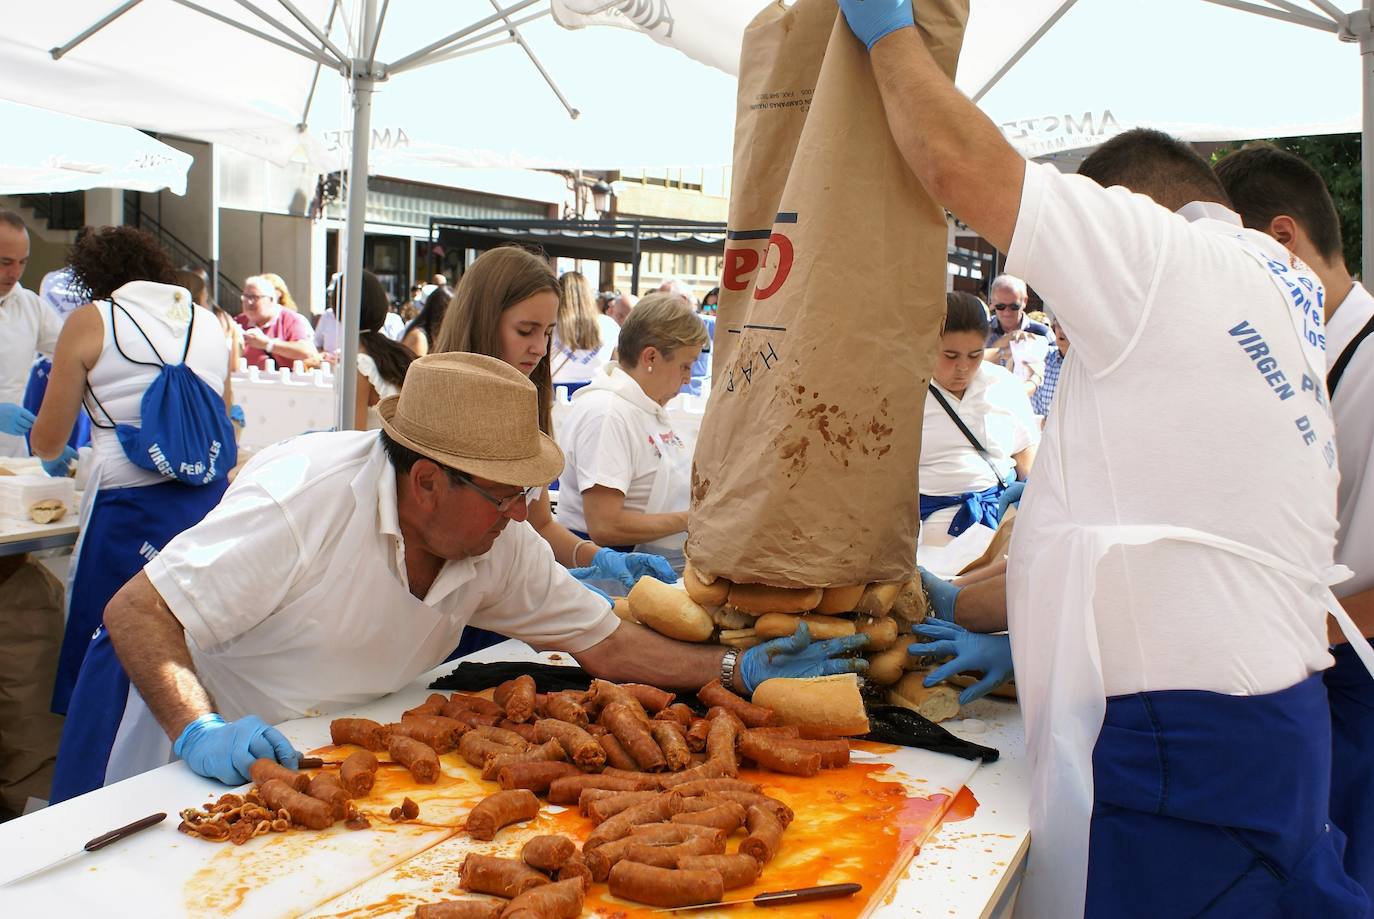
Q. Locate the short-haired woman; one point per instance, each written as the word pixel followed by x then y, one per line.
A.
pixel 627 477
pixel 970 399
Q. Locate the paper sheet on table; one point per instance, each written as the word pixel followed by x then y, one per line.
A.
pixel 954 556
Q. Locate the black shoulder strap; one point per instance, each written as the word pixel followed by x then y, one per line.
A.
pixel 1333 377
pixel 959 423
pixel 114 334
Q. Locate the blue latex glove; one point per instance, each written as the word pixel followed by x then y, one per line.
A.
pixel 58 468
pixel 15 419
pixel 599 592
pixel 224 750
pixel 625 567
pixel 236 415
pixel 942 594
pixel 971 651
pixel 1010 497
pixel 870 20
pixel 798 656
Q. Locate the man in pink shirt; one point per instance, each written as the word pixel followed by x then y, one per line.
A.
pixel 270 330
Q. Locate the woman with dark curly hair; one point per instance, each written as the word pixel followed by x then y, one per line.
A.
pixel 138 326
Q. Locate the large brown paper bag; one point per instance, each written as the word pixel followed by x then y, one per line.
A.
pixel 831 301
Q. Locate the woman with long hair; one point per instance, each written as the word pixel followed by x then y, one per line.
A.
pixel 382 363
pixel 584 338
pixel 506 306
pixel 283 292
pixel 423 330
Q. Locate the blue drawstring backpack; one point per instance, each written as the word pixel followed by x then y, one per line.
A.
pixel 186 434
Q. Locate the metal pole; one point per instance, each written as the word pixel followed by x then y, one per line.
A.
pixel 1362 24
pixel 350 305
pixel 123 8
pixel 634 272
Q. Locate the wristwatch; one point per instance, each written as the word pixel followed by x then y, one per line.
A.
pixel 727 670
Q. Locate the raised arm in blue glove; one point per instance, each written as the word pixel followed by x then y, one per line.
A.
pixel 1010 497
pixel 798 656
pixel 224 750
pixel 870 20
pixel 942 594
pixel 15 419
pixel 625 567
pixel 58 468
pixel 990 654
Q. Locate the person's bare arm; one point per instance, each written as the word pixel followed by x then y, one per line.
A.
pixel 1360 606
pixel 1024 460
pixel 364 397
pixel 417 342
pixel 564 543
pixel 151 645
pixel 288 351
pixel 982 606
pixel 955 151
pixel 634 654
pixel 78 348
pixel 610 524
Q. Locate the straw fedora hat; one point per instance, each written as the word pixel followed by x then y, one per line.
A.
pixel 476 414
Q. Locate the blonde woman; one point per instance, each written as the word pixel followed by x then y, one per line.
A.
pixel 283 292
pixel 585 337
pixel 627 476
pixel 506 306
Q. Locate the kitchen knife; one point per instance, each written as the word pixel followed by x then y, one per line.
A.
pixel 778 897
pixel 99 842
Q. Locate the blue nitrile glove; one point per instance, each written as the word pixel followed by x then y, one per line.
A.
pixel 1010 497
pixel 224 750
pixel 599 592
pixel 971 651
pixel 625 567
pixel 236 415
pixel 870 20
pixel 15 419
pixel 798 656
pixel 942 594
pixel 58 468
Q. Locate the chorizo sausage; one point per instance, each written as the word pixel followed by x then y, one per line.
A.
pixel 358 773
pixel 327 788
pixel 568 789
pixel 754 716
pixel 581 747
pixel 550 752
pixel 519 703
pixel 548 853
pixel 633 734
pixel 263 770
pixel 501 877
pixel 667 856
pixel 736 869
pixel 362 732
pixel 727 815
pixel 560 900
pixel 664 887
pixel 765 835
pixel 477 749
pixel 671 740
pixel 500 810
pixel 775 757
pixel 459 909
pixel 305 810
pixel 563 707
pixel 618 826
pixel 616 754
pixel 419 758
pixel 535 776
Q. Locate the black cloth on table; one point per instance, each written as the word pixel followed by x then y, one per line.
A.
pixel 890 723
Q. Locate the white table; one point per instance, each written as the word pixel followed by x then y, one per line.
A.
pixel 967 870
pixel 19 536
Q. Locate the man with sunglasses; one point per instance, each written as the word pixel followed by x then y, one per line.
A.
pixel 340 566
pixel 1009 321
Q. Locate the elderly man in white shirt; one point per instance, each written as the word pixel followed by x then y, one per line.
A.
pixel 27 327
pixel 341 566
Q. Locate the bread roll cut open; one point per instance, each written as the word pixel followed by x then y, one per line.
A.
pixel 938 703
pixel 826 706
pixel 669 611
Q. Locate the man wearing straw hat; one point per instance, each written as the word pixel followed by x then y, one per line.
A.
pixel 341 566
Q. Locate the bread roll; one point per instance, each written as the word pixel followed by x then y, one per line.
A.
pixel 777 625
pixel 882 633
pixel 840 599
pixel 827 706
pixel 669 611
pixel 712 594
pixel 911 602
pixel 621 607
pixel 887 667
pixel 743 642
pixel 727 617
pixel 938 703
pixel 878 598
pixel 1005 691
pixel 758 599
pixel 47 510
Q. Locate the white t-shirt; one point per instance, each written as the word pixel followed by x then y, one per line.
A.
pixel 27 327
pixel 998 412
pixel 1162 416
pixel 162 311
pixel 604 443
pixel 1353 405
pixel 574 366
pixel 293 591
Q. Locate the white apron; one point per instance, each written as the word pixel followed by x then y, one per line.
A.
pixel 672 490
pixel 1059 682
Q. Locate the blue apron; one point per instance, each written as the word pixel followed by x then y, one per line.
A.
pixel 974 507
pixel 1351 690
pixel 1216 805
pixel 127 528
pixel 33 400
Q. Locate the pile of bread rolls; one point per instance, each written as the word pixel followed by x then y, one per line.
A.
pixel 744 615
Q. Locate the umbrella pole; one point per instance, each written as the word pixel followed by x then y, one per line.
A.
pixel 346 376
pixel 1362 23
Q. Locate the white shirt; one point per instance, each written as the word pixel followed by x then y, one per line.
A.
pixel 394 327
pixel 162 311
pixel 574 366
pixel 998 412
pixel 1353 406
pixel 604 442
pixel 27 327
pixel 293 591
pixel 328 332
pixel 368 368
pixel 1163 417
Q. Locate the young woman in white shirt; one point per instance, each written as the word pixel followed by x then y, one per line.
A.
pixel 960 481
pixel 382 363
pixel 627 477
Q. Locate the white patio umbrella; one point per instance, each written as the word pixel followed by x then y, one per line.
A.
pixel 51 152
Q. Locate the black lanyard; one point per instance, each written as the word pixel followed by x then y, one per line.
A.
pixel 959 422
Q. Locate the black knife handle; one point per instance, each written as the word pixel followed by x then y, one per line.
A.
pixel 803 894
pixel 101 842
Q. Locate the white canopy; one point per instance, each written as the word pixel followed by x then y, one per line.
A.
pixel 51 152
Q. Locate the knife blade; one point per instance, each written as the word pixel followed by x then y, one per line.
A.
pixel 93 845
pixel 778 897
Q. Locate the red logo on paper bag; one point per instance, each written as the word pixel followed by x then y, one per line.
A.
pixel 742 263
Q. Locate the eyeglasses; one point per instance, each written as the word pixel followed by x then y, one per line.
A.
pixel 1003 307
pixel 501 504
pixel 250 298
